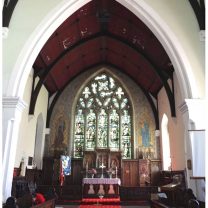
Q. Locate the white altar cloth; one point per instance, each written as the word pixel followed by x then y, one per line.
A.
pixel 102 181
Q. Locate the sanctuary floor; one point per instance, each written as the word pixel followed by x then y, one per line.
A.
pixel 100 206
pixel 103 203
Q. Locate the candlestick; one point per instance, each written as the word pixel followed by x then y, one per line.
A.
pixel 102 166
pixel 86 169
pixel 116 171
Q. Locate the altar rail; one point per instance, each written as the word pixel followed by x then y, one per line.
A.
pixel 137 193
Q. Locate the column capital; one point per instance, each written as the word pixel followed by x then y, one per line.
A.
pixel 14 103
pixel 202 35
pixel 195 111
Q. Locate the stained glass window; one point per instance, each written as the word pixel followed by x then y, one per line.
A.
pixel 103 118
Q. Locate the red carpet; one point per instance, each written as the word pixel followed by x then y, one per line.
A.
pixel 112 201
pixel 100 205
pixel 104 202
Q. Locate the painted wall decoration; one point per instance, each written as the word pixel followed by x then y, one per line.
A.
pixel 143 133
pixel 146 139
pixel 59 135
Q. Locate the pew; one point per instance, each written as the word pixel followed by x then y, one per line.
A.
pixel 47 204
pixel 26 202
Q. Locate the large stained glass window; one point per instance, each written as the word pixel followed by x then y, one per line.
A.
pixel 103 118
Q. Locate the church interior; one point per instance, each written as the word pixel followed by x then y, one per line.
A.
pixel 104 103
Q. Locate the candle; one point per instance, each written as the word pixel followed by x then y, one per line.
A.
pixel 87 166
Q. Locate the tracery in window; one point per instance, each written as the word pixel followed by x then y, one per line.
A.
pixel 103 117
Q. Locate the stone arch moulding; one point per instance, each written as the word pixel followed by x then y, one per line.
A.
pixel 57 16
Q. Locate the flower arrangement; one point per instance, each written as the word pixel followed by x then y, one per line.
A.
pixel 110 172
pixel 92 171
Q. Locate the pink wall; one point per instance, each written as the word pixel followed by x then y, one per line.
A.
pixel 175 127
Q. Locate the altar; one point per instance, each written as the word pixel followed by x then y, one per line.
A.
pixel 108 187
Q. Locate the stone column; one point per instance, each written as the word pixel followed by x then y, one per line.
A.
pixel 195 119
pixel 12 112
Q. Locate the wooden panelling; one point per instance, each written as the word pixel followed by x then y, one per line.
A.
pixel 130 173
pixel 51 172
pixel 155 168
pixel 47 174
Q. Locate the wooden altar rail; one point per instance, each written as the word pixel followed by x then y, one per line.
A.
pixel 197 178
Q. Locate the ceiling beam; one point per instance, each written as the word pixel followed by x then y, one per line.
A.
pixel 161 74
pixel 50 110
pixel 8 9
pixel 199 10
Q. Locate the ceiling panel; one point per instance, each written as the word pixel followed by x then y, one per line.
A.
pixel 103 32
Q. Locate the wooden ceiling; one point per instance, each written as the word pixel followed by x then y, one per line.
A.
pixel 103 32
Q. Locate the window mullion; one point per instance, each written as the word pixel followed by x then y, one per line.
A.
pixel 108 130
pixel 107 99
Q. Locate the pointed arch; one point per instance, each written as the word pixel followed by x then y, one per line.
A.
pixel 56 17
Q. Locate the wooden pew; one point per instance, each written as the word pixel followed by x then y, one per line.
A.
pixel 26 202
pixel 158 204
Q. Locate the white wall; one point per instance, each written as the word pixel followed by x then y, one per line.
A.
pixel 27 131
pixel 175 127
pixel 179 16
pixel 27 15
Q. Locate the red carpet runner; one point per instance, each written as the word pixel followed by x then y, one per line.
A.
pixel 101 206
pixel 102 203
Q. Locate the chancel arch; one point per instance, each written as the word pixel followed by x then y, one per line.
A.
pixel 23 58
